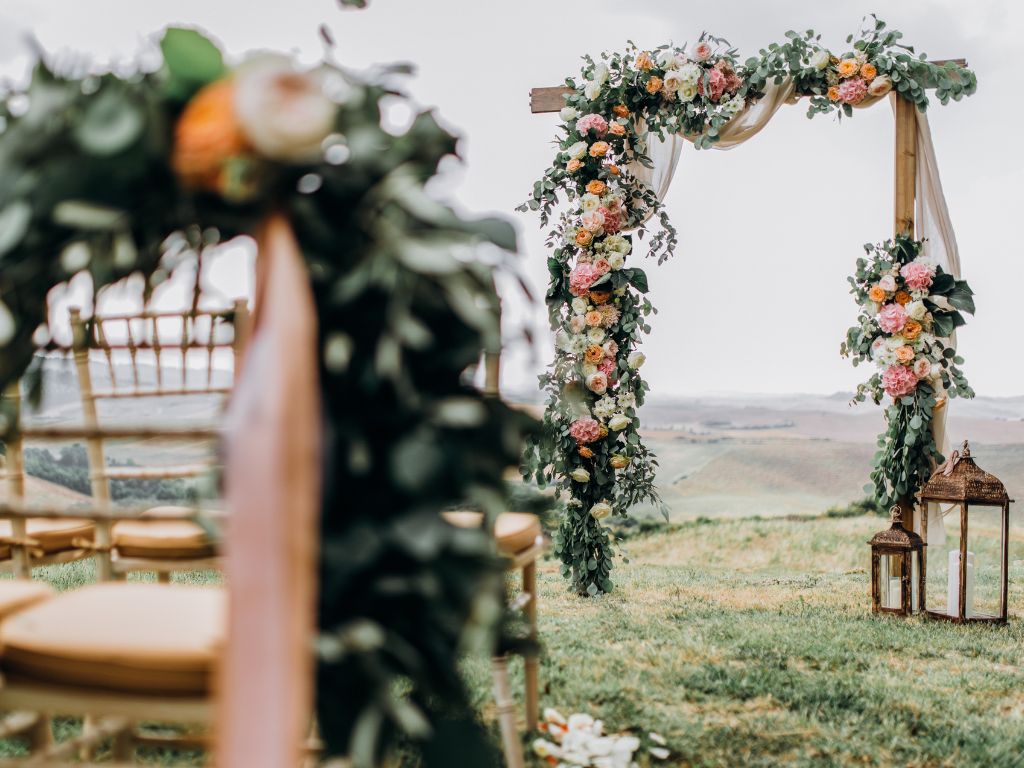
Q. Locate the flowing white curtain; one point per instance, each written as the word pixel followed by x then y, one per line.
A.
pixel 933 223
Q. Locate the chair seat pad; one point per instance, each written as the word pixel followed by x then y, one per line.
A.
pixel 16 594
pixel 160 639
pixel 153 537
pixel 53 535
pixel 514 531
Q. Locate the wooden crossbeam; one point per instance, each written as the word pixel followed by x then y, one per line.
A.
pixel 552 99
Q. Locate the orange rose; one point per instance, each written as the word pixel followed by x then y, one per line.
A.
pixel 620 110
pixel 586 453
pixel 911 330
pixel 573 165
pixel 902 298
pixel 904 354
pixel 596 187
pixel 833 93
pixel 614 170
pixel 877 294
pixel 644 62
pixel 600 297
pixel 584 237
pixel 654 84
pixel 599 149
pixel 848 68
pixel 207 136
pixel 617 129
pixel 868 71
pixel 593 318
pixel 594 354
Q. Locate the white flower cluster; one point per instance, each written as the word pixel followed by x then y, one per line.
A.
pixel 592 88
pixel 580 742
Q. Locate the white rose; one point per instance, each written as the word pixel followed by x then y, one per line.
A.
pixel 568 114
pixel 580 475
pixel 597 383
pixel 600 511
pixel 589 369
pixel 563 341
pixel 636 359
pixel 880 86
pixel 595 335
pixel 672 80
pixel 618 422
pixel 916 310
pixel 601 73
pixel 819 59
pixel 687 92
pixel 580 305
pixel 690 74
pixel 283 112
pixel 616 261
pixel 610 348
pixel 577 150
pixel 577 323
pixel 887 283
pixel 590 202
pixel 666 58
pixel 592 90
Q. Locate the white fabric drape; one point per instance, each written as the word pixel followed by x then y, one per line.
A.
pixel 932 223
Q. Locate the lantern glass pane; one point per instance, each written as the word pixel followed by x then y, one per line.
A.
pixel 889 581
pixel 984 561
pixel 915 582
pixel 940 590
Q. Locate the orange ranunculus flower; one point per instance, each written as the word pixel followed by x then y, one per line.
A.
pixel 596 187
pixel 614 169
pixel 617 129
pixel 911 330
pixel 573 165
pixel 593 318
pixel 833 93
pixel 594 353
pixel 868 71
pixel 600 297
pixel 904 354
pixel 207 135
pixel 585 452
pixel 902 298
pixel 599 149
pixel 620 110
pixel 848 67
pixel 654 84
pixel 877 294
pixel 584 237
pixel 644 62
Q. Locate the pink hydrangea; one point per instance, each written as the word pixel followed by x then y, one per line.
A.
pixel 717 83
pixel 853 91
pixel 898 380
pixel 594 123
pixel 581 278
pixel 609 315
pixel 585 430
pixel 918 276
pixel 892 318
pixel 612 222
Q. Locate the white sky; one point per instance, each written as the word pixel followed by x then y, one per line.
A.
pixel 756 299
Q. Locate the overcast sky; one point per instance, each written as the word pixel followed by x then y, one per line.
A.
pixel 756 298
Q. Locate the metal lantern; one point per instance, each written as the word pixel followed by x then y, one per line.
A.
pixel 977 567
pixel 897 569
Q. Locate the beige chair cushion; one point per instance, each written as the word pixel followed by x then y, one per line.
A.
pixel 53 535
pixel 153 537
pixel 514 531
pixel 16 594
pixel 160 639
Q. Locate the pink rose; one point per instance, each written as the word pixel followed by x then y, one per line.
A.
pixel 581 278
pixel 853 91
pixel 702 51
pixel 594 123
pixel 612 223
pixel 602 266
pixel 593 221
pixel 887 283
pixel 717 83
pixel 598 382
pixel 611 349
pixel 585 430
pixel 922 368
pixel 577 324
pixel 892 318
pixel 898 381
pixel 607 367
pixel 918 276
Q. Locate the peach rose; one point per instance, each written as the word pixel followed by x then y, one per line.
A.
pixel 573 165
pixel 833 93
pixel 596 187
pixel 593 318
pixel 600 297
pixel 620 110
pixel 877 294
pixel 618 461
pixel 617 129
pixel 848 68
pixel 595 353
pixel 644 62
pixel 904 354
pixel 599 149
pixel 654 84
pixel 868 71
pixel 614 169
pixel 584 237
pixel 207 135
pixel 902 298
pixel 911 330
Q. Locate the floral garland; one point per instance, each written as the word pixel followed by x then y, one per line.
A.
pixel 591 447
pixel 909 309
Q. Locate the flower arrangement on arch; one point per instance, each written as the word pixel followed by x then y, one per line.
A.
pixel 909 308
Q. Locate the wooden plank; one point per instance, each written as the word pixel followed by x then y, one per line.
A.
pixel 905 167
pixel 552 99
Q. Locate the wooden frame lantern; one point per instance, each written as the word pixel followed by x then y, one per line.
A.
pixel 897 569
pixel 961 482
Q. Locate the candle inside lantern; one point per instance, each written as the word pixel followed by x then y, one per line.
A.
pixel 953 592
pixel 895 596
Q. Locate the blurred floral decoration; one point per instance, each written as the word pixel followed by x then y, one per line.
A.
pixel 590 447
pixel 909 309
pixel 131 172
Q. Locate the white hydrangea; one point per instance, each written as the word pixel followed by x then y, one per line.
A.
pixel 615 244
pixel 604 408
pixel 578 345
pixel 627 400
pixel 689 74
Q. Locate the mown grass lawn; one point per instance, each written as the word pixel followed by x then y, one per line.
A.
pixel 750 643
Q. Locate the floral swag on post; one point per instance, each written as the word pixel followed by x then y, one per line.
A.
pixel 591 446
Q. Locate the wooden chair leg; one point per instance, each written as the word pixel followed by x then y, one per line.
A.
pixel 531 662
pixel 510 740
pixel 164 577
pixel 40 735
pixel 123 746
